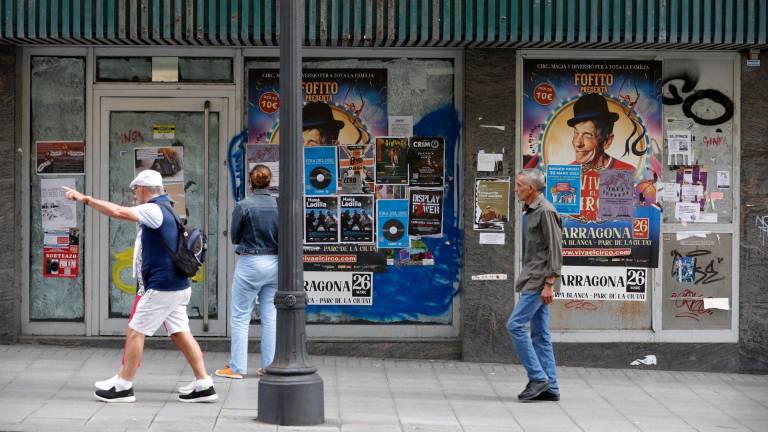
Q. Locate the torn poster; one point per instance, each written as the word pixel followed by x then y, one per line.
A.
pixel 490 162
pixel 492 238
pixel 723 179
pixel 670 192
pixel 60 157
pixel 679 148
pixel 686 269
pixel 616 194
pixel 57 211
pixel 687 212
pixel 717 303
pixel 400 126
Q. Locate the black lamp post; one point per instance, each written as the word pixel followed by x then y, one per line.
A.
pixel 291 391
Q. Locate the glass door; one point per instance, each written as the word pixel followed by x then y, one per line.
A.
pixel 183 139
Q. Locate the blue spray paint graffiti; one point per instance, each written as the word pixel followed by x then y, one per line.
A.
pixel 236 163
pixel 419 294
pixel 422 294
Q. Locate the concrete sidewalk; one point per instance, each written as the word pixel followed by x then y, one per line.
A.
pixel 51 388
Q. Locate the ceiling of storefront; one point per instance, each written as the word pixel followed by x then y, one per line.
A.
pixel 691 24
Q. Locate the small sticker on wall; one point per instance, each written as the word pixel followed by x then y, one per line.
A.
pixel 492 238
pixel 164 131
pixel 490 276
pixel 400 126
pixel 679 150
pixel 723 179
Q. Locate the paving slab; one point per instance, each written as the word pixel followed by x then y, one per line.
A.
pixel 45 388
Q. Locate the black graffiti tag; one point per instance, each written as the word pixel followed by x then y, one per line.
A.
pixel 703 275
pixel 689 84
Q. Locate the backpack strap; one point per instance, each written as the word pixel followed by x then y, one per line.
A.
pixel 179 227
pixel 173 212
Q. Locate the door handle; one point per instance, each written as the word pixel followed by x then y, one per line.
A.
pixel 206 121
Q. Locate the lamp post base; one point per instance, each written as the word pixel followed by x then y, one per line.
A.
pixel 291 400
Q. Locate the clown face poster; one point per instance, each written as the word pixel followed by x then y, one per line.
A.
pixel 341 106
pixel 600 115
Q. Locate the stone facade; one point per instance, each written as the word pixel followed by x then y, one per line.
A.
pixel 9 171
pixel 753 295
pixel 489 125
pixel 490 100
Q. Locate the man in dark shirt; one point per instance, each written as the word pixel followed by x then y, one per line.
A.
pixel 536 283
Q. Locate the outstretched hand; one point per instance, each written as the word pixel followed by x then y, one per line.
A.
pixel 73 195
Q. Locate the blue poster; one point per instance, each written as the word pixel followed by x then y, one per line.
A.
pixel 564 188
pixel 320 171
pixel 392 223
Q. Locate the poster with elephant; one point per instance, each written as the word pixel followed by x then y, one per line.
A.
pixel 604 116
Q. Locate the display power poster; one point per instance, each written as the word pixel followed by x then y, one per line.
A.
pixel 357 218
pixel 321 220
pixel 391 160
pixel 392 223
pixel 426 161
pixel 425 212
pixel 602 116
pixel 320 170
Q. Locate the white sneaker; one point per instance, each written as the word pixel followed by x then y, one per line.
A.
pixel 200 395
pixel 187 389
pixel 107 383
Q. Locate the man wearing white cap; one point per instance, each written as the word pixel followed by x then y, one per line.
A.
pixel 166 292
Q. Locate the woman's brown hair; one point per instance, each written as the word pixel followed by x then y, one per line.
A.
pixel 260 176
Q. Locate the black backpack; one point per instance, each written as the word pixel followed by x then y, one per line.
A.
pixel 191 248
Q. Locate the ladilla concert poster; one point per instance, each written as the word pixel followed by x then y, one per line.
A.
pixel 604 116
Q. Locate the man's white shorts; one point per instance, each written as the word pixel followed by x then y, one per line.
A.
pixel 168 308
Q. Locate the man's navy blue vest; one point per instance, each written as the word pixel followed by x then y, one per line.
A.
pixel 157 267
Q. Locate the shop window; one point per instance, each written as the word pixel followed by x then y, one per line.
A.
pixel 362 267
pixel 639 156
pixel 124 69
pixel 190 69
pixel 57 158
pixel 205 70
pixel 698 192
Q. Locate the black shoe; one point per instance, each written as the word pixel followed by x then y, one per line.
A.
pixel 547 396
pixel 207 395
pixel 533 389
pixel 112 395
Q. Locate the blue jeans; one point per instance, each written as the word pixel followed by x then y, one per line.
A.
pixel 255 277
pixel 534 351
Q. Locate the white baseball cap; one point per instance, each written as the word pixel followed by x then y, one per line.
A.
pixel 148 178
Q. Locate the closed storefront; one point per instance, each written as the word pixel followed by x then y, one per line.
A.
pixel 645 116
